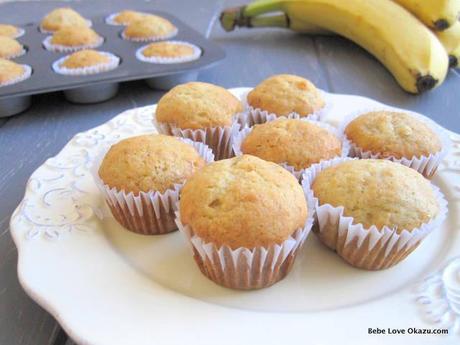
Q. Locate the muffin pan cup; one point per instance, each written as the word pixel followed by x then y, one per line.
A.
pixel 239 136
pixel 149 213
pixel 367 248
pixel 45 80
pixel 246 268
pixel 219 139
pixel 425 165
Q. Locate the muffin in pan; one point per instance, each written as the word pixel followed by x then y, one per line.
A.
pixel 12 72
pixel 125 17
pixel 61 17
pixel 201 112
pixel 149 28
pixel 71 38
pixel 246 219
pixel 397 136
pixel 85 62
pixel 140 178
pixel 168 52
pixel 11 31
pixel 10 48
pixel 295 144
pixel 283 95
pixel 374 213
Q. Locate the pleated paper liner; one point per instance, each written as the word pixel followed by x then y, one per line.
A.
pixel 113 63
pixel 368 248
pixel 240 136
pixel 246 268
pixel 426 165
pixel 18 54
pixel 67 49
pixel 170 60
pixel 149 213
pixel 25 75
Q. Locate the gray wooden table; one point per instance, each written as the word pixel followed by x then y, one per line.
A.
pixel 26 140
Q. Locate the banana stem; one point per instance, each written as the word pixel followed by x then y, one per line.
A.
pixel 230 19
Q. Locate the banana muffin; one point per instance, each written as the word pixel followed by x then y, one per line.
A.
pixel 144 168
pixel 10 48
pixel 86 62
pixel 392 203
pixel 74 38
pixel 127 17
pixel 285 94
pixel 196 107
pixel 150 28
pixel 242 203
pixel 10 31
pixel 169 52
pixel 60 17
pixel 11 72
pixel 295 142
pixel 394 135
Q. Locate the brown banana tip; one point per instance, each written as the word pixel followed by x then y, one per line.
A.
pixel 441 24
pixel 425 83
pixel 453 61
pixel 230 17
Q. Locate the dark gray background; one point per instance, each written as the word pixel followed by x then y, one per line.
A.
pixel 26 140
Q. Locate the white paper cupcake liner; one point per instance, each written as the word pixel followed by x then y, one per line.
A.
pixel 219 139
pixel 18 54
pixel 253 116
pixel 19 33
pixel 239 136
pixel 67 49
pixel 426 165
pixel 368 248
pixel 113 63
pixel 44 31
pixel 149 213
pixel 151 38
pixel 170 60
pixel 246 268
pixel 26 75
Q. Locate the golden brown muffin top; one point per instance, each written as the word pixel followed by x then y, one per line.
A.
pixel 243 202
pixel 167 49
pixel 85 58
pixel 126 17
pixel 198 105
pixel 8 30
pixel 149 26
pixel 9 70
pixel 9 47
pixel 60 17
pixel 393 134
pixel 149 163
pixel 75 36
pixel 295 142
pixel 284 93
pixel 378 192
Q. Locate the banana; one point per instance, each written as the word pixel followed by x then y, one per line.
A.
pixel 409 50
pixel 437 14
pixel 450 38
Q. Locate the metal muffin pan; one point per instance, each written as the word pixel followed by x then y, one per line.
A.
pixel 99 87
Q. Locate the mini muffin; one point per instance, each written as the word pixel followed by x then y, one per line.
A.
pixel 149 28
pixel 10 31
pixel 60 17
pixel 10 48
pixel 147 170
pixel 11 72
pixel 236 208
pixel 296 143
pixel 284 95
pixel 73 38
pixel 373 212
pixel 169 52
pixel 127 17
pixel 85 62
pixel 199 111
pixel 395 136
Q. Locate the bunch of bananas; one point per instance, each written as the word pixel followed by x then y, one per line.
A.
pixel 417 40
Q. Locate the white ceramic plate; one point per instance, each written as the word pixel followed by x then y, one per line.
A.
pixel 109 286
